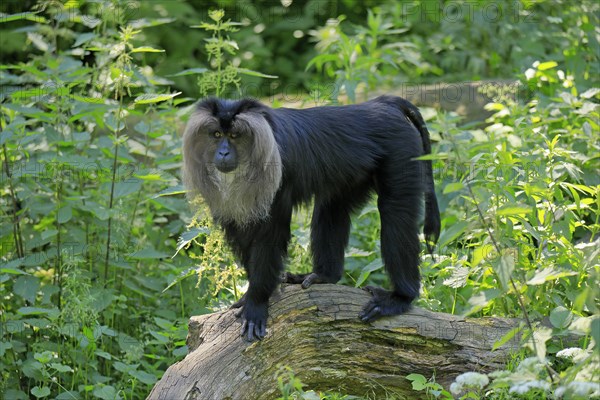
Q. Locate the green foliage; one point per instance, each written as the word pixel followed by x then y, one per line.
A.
pixel 83 236
pixel 224 73
pixel 360 57
pixel 291 388
pixel 94 307
pixel 433 390
pixel 527 208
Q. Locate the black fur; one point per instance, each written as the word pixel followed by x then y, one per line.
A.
pixel 338 156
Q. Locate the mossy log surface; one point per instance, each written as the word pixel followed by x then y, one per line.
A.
pixel 317 333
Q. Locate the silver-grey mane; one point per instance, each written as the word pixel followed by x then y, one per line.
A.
pixel 244 195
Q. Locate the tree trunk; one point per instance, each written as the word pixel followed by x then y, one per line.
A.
pixel 316 332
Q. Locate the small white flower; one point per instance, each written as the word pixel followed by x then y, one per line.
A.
pixel 529 364
pixel 524 387
pixel 456 388
pixel 589 389
pixel 570 353
pixel 473 380
pixel 529 73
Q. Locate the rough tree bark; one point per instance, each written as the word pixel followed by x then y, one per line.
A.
pixel 316 332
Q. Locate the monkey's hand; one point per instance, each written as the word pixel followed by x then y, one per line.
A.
pixel 306 279
pixel 254 319
pixel 383 303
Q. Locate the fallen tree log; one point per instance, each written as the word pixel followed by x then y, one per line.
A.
pixel 316 332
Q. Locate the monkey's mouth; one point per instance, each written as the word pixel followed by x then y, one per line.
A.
pixel 225 166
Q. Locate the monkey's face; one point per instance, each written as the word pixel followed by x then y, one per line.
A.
pixel 231 158
pixel 225 150
pixel 222 148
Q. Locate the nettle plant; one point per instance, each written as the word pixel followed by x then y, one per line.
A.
pixel 362 59
pixel 521 239
pixel 83 233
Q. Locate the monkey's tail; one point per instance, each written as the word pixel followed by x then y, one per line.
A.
pixel 432 223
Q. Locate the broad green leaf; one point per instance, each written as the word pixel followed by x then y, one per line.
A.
pixel 50 312
pixel 188 236
pixel 107 393
pixel 486 252
pixel 40 392
pixel 419 382
pixel 143 377
pixel 146 49
pixel 179 189
pixel 15 394
pixel 185 274
pixel 60 367
pixel 29 16
pixel 160 337
pixel 191 71
pixel 26 286
pixel 128 343
pixel 436 156
pixel 68 395
pixel 549 274
pixel 366 271
pixel 453 187
pixel 452 232
pixel 560 317
pixel 122 367
pixel 506 338
pixel 506 267
pixel 154 98
pixel 64 214
pixel 84 38
pixel 547 65
pixel 537 341
pixel 148 253
pixel 194 233
pixel 123 189
pixel 103 354
pixel 180 351
pixel 250 72
pixel 513 209
pixel 146 23
pixel 44 357
pixel 150 177
pixel 480 300
pixel 12 271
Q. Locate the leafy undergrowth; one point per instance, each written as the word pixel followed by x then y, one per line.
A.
pixel 93 303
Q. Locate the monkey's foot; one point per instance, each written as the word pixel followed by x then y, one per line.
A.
pixel 383 303
pixel 254 320
pixel 306 279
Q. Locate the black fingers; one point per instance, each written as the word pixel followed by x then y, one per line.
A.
pixel 383 303
pixel 240 303
pixel 253 330
pixel 310 279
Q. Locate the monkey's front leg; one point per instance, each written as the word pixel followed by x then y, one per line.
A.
pixel 264 269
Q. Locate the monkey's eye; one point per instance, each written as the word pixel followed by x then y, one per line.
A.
pixel 217 134
pixel 234 135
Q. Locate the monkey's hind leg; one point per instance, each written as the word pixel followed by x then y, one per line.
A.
pixel 330 228
pixel 400 249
